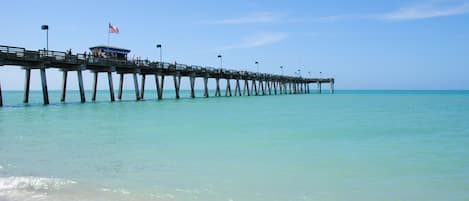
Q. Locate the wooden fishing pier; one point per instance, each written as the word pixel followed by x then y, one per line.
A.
pixel 254 84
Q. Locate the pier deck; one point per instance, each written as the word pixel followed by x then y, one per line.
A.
pixel 261 83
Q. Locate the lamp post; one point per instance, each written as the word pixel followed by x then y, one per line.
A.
pixel 46 27
pixel 257 63
pixel 161 53
pixel 320 75
pixel 221 61
pixel 299 72
pixel 281 70
pixel 309 74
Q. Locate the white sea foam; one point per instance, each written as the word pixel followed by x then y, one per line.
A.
pixel 32 183
pixel 121 191
pixel 30 188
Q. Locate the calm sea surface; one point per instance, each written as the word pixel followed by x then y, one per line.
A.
pixel 350 146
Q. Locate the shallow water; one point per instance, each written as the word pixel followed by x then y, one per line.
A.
pixel 353 145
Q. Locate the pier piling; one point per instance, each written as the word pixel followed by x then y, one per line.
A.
pixel 270 88
pixel 246 88
pixel 217 89
pixel 254 87
pixel 95 86
pixel 121 85
pixel 161 88
pixel 178 85
pixel 319 87
pixel 275 87
pixel 27 83
pixel 279 87
pixel 228 88
pixel 80 85
pixel 1 98
pixel 192 81
pixel 206 87
pixel 137 95
pixel 237 88
pixel 142 92
pixel 111 86
pixel 64 85
pixel 45 93
pixel 157 83
pixel 261 87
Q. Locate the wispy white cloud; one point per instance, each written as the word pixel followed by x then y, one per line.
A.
pixel 257 41
pixel 259 17
pixel 428 10
pixel 424 10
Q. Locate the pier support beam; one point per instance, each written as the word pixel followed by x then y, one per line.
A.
pixel 157 83
pixel 45 93
pixel 228 88
pixel 64 86
pixel 280 87
pixel 80 85
pixel 269 86
pixel 217 90
pixel 95 85
pixel 137 95
pixel 192 80
pixel 246 88
pixel 254 87
pixel 206 95
pixel 1 98
pixel 177 81
pixel 332 87
pixel 142 91
pixel 301 87
pixel 275 87
pixel 160 86
pixel 27 81
pixel 237 88
pixel 319 87
pixel 285 88
pixel 111 86
pixel 294 88
pixel 121 85
pixel 261 87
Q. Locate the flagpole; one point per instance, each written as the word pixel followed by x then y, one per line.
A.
pixel 108 37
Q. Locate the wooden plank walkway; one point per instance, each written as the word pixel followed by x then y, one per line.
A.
pixel 254 83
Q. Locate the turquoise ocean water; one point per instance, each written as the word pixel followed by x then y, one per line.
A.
pixel 353 146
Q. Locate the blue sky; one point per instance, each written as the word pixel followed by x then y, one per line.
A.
pixel 418 44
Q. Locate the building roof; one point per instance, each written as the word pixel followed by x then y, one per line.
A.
pixel 110 49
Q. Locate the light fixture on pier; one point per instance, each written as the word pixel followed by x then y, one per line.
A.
pixel 46 27
pixel 221 61
pixel 281 70
pixel 257 63
pixel 161 53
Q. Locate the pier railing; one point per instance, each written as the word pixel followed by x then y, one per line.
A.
pixel 54 57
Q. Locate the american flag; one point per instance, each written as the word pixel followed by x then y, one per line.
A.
pixel 113 29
